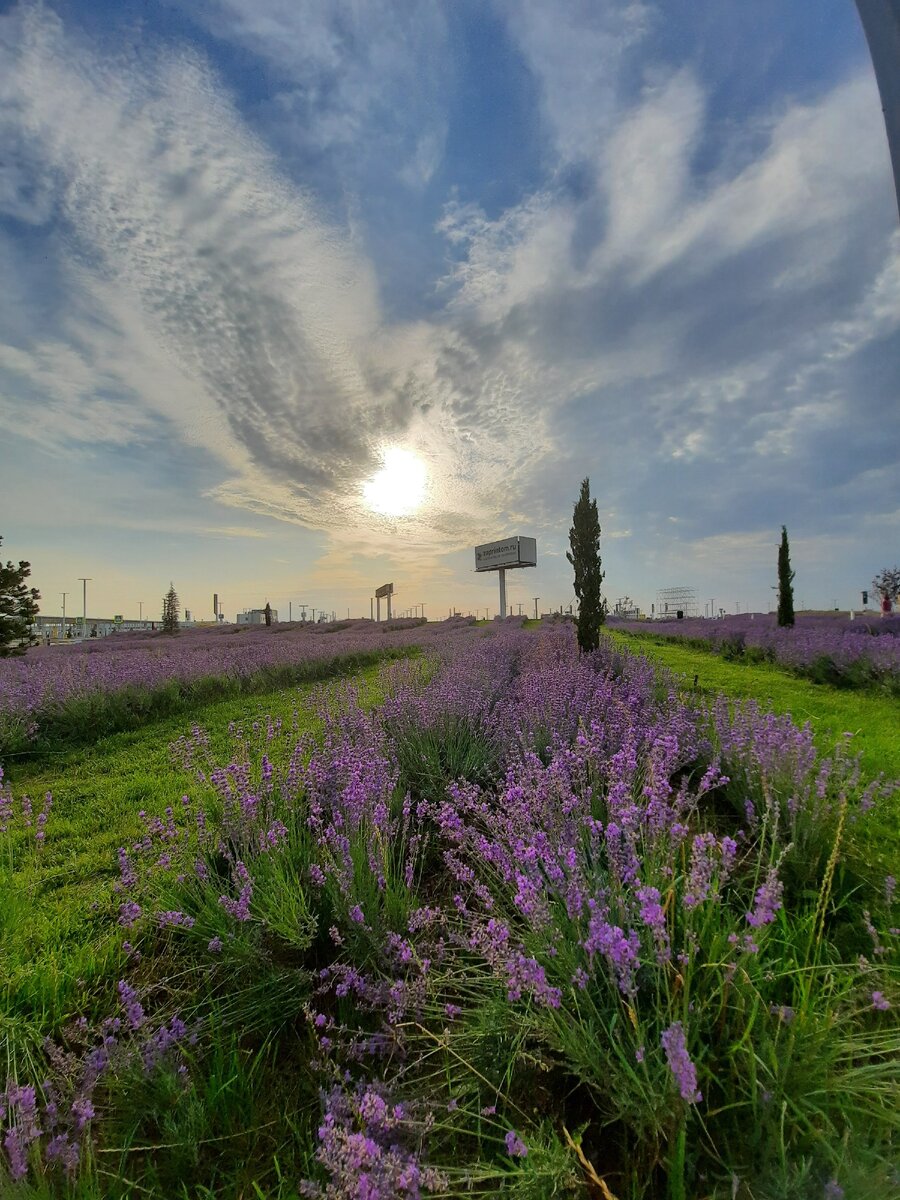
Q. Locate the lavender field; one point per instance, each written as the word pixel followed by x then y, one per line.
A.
pixel 118 682
pixel 861 653
pixel 533 924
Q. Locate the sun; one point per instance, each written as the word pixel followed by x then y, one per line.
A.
pixel 398 489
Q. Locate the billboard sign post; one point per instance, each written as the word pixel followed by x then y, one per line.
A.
pixel 505 555
pixel 386 590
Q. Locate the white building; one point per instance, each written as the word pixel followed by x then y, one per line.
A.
pixel 256 616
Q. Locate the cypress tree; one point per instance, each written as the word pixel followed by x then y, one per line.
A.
pixel 170 611
pixel 584 538
pixel 785 582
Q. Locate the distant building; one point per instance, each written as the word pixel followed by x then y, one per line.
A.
pixel 46 625
pixel 255 616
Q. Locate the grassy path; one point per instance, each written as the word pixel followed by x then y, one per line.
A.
pixel 874 721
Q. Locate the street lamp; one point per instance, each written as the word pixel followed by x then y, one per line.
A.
pixel 141 611
pixel 64 594
pixel 85 580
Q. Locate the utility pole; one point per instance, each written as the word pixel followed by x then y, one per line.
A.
pixel 85 580
pixel 141 611
pixel 290 611
pixel 520 608
pixel 64 594
pixel 535 606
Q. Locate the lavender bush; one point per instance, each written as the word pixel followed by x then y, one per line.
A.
pixel 536 926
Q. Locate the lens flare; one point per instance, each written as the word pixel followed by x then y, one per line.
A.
pixel 398 489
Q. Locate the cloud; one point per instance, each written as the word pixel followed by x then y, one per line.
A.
pixel 704 343
pixel 358 82
pixel 716 322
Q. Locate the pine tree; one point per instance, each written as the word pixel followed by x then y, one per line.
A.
pixel 170 611
pixel 18 608
pixel 785 582
pixel 584 538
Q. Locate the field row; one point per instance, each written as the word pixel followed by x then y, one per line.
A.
pixel 863 653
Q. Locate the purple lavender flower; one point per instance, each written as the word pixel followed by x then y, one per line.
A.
pixel 880 1001
pixel 515 1147
pixel 166 919
pixel 767 902
pixel 654 917
pixel 134 1011
pixel 129 913
pixel 240 908
pixel 680 1064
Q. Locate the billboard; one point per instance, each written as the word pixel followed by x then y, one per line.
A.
pixel 508 552
pixel 386 589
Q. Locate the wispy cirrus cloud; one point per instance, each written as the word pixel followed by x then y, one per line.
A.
pixel 676 330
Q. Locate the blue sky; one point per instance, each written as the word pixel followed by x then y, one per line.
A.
pixel 248 246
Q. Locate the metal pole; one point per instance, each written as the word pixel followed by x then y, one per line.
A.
pixel 389 605
pixel 64 594
pixel 535 606
pixel 502 574
pixel 141 611
pixel 290 611
pixel 85 580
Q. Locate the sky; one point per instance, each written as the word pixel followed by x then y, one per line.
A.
pixel 300 297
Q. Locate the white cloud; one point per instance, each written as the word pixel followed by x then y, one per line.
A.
pixel 576 49
pixel 647 322
pixel 360 79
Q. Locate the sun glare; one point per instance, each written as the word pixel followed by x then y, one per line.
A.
pixel 398 489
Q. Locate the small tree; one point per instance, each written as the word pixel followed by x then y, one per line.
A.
pixel 18 608
pixel 785 582
pixel 170 611
pixel 584 538
pixel 887 583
